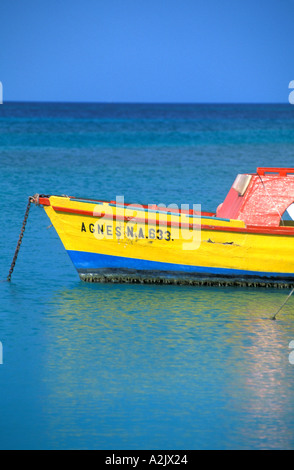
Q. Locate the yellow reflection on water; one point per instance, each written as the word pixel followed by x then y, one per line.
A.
pixel 115 350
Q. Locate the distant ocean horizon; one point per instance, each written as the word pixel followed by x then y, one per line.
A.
pixel 152 102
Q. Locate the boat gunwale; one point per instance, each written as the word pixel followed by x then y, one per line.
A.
pixel 250 229
pixel 150 208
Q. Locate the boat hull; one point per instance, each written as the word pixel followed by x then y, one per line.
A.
pixel 104 268
pixel 107 243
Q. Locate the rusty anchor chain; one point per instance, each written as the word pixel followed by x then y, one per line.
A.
pixel 32 200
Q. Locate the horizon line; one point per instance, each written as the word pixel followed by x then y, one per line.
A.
pixel 148 102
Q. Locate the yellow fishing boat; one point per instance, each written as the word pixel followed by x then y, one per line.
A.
pixel 247 241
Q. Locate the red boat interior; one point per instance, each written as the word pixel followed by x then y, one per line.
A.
pixel 260 199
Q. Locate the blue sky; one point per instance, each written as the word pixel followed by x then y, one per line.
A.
pixel 147 50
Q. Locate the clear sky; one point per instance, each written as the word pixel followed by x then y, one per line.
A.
pixel 147 50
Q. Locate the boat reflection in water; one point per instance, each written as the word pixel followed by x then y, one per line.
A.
pixel 158 366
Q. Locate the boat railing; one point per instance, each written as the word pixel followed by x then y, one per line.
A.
pixel 275 171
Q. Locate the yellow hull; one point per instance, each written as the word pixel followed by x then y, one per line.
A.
pixel 110 241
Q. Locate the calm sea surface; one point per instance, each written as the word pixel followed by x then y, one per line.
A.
pixel 136 366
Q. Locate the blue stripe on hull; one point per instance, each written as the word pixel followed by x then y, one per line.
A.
pixel 85 262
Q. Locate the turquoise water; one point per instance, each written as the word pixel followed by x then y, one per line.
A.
pixel 136 366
